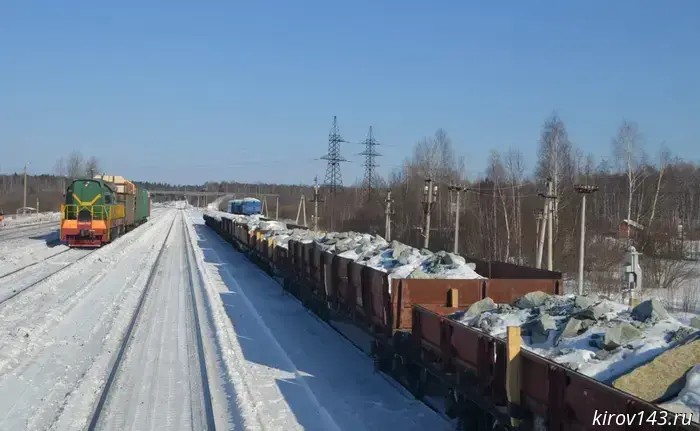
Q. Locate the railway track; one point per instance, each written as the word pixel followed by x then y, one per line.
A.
pixel 36 277
pixel 7 274
pixel 110 389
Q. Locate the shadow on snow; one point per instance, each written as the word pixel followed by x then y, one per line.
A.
pixel 315 356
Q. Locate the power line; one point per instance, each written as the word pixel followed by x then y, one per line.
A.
pixel 334 178
pixel 370 180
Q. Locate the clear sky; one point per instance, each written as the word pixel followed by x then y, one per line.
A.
pixel 188 91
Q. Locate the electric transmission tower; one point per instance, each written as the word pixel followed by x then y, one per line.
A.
pixel 334 178
pixel 370 181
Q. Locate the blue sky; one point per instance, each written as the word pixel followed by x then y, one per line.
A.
pixel 247 90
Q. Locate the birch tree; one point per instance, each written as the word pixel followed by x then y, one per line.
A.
pixel 555 159
pixel 629 155
pixel 664 158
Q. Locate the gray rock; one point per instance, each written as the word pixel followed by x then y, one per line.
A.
pixel 505 308
pixel 426 252
pixel 418 273
pixel 479 307
pixel 695 322
pixel 594 312
pixel 539 329
pixel 680 335
pixel 398 248
pixel 575 327
pixel 585 301
pixel 446 259
pixel 620 335
pixel 602 355
pixel 487 321
pixel 472 266
pixel 649 309
pixel 531 300
pixel 404 257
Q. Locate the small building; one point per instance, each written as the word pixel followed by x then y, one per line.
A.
pixel 630 228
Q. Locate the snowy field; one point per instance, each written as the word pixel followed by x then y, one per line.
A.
pixel 16 220
pixel 215 340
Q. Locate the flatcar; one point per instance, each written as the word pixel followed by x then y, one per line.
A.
pixel 98 210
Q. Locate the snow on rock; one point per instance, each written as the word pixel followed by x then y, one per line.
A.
pixel 594 336
pixel 397 259
pixel 403 261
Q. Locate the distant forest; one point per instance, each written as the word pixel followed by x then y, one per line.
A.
pixel 499 212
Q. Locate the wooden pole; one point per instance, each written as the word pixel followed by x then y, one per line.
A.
pixel 453 298
pixel 513 372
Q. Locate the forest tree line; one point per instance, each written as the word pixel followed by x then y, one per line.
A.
pixel 499 211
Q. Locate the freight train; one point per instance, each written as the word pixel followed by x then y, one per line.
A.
pixel 98 210
pixel 485 381
pixel 247 206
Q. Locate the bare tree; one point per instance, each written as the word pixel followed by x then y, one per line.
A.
pixel 92 167
pixel 664 159
pixel 75 165
pixel 515 166
pixel 555 159
pixel 629 157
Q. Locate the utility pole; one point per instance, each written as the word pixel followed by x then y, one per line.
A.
pixel 538 222
pixel 430 192
pixel 583 190
pixel 388 211
pixel 277 208
pixel 25 186
pixel 458 190
pixel 547 222
pixel 316 201
pixel 302 208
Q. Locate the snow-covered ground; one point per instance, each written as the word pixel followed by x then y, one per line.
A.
pixel 270 364
pixel 30 231
pixel 28 246
pixel 14 220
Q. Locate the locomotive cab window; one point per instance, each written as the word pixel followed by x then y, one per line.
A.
pixel 108 199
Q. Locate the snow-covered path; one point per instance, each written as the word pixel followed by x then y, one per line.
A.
pixel 159 384
pixel 289 369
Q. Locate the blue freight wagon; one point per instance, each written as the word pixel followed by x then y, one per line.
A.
pixel 250 206
pixel 234 206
